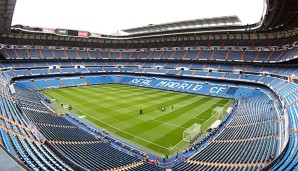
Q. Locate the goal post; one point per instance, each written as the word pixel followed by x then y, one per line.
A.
pixel 192 132
pixel 217 112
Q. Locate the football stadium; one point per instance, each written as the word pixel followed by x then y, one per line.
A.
pixel 197 94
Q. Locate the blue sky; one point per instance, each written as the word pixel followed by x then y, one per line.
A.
pixel 109 16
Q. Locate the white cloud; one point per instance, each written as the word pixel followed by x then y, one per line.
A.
pixel 108 16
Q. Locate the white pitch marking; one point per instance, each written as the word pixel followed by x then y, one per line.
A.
pixel 120 129
pixel 136 137
pixel 169 124
pixel 124 131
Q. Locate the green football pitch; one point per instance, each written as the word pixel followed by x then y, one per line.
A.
pixel 116 108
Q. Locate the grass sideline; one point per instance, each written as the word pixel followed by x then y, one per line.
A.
pixel 116 108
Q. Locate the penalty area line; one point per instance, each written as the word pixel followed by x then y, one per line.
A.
pixel 169 124
pixel 176 145
pixel 201 112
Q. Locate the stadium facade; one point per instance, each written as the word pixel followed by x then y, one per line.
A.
pixel 256 65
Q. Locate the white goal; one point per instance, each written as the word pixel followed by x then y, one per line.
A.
pixel 192 132
pixel 217 112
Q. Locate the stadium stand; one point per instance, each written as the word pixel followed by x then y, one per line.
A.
pixel 248 55
pixel 255 128
pixel 257 67
pixel 252 128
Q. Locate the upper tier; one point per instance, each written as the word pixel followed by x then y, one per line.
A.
pixel 220 55
pixel 157 44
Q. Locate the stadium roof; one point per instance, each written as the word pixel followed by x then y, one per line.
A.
pixel 127 14
pixel 280 17
pixel 282 14
pixel 6 13
pixel 186 24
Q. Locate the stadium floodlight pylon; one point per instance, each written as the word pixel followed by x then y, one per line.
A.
pixel 217 112
pixel 192 132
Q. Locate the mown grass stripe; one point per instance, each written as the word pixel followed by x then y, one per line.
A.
pixel 116 108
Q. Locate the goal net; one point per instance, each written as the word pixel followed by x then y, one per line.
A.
pixel 217 112
pixel 192 132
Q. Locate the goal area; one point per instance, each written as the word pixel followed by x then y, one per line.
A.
pixel 192 132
